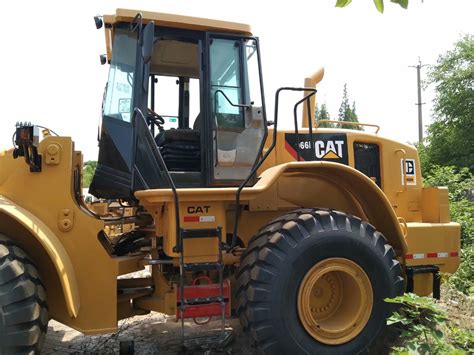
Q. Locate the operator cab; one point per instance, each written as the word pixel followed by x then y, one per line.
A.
pixel 189 89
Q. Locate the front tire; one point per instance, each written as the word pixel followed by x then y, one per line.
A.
pixel 314 281
pixel 23 309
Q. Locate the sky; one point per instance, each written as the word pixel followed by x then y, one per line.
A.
pixel 51 74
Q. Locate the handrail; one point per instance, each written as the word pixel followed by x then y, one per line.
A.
pixel 404 226
pixel 169 179
pixel 219 91
pixel 349 123
pixel 402 171
pixel 262 159
pixel 306 98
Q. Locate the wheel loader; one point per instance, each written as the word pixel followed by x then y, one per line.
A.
pixel 301 233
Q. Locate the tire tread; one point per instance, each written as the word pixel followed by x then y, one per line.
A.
pixel 23 308
pixel 275 240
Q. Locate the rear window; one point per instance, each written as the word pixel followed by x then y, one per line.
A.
pixel 367 160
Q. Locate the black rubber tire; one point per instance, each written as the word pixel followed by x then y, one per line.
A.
pixel 279 256
pixel 23 309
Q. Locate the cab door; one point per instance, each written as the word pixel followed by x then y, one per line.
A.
pixel 236 112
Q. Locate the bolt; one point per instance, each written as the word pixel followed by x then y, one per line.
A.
pixel 317 291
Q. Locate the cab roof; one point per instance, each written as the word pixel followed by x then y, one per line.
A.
pixel 177 21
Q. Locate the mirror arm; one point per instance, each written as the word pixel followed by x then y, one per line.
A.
pixel 137 22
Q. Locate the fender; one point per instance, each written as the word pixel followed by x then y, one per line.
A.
pixel 370 198
pixel 51 245
pixel 367 197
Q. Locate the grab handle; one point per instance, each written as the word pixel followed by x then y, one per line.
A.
pixel 402 170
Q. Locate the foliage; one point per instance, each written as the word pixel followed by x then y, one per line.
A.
pixel 423 326
pixel 88 172
pixel 450 139
pixel 459 182
pixel 348 113
pixel 378 4
pixel 448 156
pixel 463 213
pixel 424 159
pixel 461 338
pixel 463 278
pixel 322 114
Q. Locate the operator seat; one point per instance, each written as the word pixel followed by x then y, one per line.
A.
pixel 197 122
pixel 180 148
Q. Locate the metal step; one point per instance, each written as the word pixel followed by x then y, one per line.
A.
pixel 203 300
pixel 195 305
pixel 200 233
pixel 202 266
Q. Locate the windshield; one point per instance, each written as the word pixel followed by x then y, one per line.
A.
pixel 119 98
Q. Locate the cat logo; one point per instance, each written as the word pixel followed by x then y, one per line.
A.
pixel 317 146
pixel 330 149
pixel 408 172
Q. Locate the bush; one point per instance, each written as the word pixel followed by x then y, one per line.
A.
pixel 459 183
pixel 88 172
pixel 461 338
pixel 424 328
pixel 463 278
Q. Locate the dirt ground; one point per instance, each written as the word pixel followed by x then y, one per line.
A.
pixel 459 307
pixel 152 333
pixel 157 333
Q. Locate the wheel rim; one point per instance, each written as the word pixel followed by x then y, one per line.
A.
pixel 335 301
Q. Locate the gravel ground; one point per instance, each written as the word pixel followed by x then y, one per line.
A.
pixel 158 333
pixel 152 333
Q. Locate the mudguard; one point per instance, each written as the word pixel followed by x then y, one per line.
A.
pixel 52 246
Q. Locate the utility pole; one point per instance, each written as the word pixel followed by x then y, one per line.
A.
pixel 419 103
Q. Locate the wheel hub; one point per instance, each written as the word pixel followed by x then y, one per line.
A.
pixel 335 301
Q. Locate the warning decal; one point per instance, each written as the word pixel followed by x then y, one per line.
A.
pixel 199 218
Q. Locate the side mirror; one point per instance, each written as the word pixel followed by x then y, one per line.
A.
pixel 98 22
pixel 148 39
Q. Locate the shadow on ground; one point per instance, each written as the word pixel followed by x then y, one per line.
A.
pixel 152 333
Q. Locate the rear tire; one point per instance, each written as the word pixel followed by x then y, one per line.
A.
pixel 274 270
pixel 23 309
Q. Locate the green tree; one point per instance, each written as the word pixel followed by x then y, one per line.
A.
pixel 322 114
pixel 353 115
pixel 347 112
pixel 88 172
pixel 450 139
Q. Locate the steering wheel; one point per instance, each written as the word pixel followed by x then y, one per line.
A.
pixel 155 119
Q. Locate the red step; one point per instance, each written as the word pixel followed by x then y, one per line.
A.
pixel 211 290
